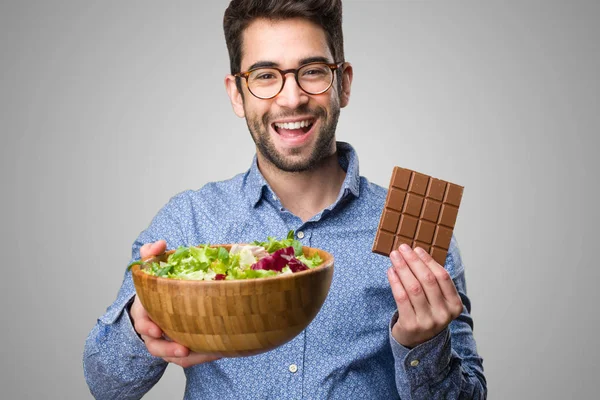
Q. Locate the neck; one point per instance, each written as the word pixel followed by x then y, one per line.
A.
pixel 305 193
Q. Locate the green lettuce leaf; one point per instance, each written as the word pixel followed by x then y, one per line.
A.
pixel 204 262
pixel 272 244
pixel 311 262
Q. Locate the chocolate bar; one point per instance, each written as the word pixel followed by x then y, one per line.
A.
pixel 419 211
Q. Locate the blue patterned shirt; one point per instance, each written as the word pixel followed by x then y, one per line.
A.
pixel 347 352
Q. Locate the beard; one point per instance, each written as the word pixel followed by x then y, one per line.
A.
pixel 259 130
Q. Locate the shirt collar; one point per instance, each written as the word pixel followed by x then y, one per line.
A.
pixel 256 185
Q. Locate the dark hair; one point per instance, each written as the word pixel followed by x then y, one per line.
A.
pixel 240 13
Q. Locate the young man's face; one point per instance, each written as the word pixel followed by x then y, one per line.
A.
pixel 288 44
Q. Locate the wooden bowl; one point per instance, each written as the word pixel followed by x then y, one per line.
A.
pixel 232 318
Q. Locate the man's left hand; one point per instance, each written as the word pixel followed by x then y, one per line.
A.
pixel 425 295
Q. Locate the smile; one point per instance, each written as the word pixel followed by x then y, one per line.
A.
pixel 296 127
pixel 293 125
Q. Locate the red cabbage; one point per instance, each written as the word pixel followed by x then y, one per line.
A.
pixel 279 259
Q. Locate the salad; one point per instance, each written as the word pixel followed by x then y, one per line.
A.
pixel 256 260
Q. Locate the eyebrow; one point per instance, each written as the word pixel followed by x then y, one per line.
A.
pixel 271 64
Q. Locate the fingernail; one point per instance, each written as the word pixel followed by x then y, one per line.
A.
pixel 179 353
pixel 395 255
pixel 404 247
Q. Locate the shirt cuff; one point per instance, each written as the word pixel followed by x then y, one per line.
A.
pixel 426 362
pixel 131 328
pixel 119 318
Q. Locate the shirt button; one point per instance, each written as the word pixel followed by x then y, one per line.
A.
pixel 300 235
pixel 414 363
pixel 293 368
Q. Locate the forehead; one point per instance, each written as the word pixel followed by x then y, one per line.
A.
pixel 283 42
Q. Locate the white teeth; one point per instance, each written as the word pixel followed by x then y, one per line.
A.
pixel 293 125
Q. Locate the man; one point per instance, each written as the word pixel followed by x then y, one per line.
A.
pixel 401 332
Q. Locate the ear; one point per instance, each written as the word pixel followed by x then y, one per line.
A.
pixel 347 74
pixel 237 103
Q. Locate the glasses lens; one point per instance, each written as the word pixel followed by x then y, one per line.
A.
pixel 315 78
pixel 264 82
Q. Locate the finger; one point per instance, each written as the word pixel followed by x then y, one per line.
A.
pixel 429 279
pixel 149 250
pixel 410 283
pixel 142 323
pixel 426 278
pixel 442 276
pixel 164 348
pixel 145 251
pixel 158 247
pixel 447 287
pixel 192 359
pixel 146 327
pixel 405 308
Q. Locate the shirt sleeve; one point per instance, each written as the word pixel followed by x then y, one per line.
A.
pixel 448 365
pixel 116 363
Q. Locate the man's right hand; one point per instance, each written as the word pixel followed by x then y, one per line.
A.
pixel 152 335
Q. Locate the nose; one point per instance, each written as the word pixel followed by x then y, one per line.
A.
pixel 291 96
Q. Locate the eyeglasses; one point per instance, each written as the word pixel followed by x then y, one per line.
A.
pixel 312 78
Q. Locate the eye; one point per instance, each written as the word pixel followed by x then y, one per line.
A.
pixel 314 71
pixel 264 76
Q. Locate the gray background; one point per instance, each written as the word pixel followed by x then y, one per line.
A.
pixel 107 109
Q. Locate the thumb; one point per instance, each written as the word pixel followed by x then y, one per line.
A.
pixel 153 249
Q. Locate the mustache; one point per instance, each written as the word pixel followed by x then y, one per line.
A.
pixel 303 109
